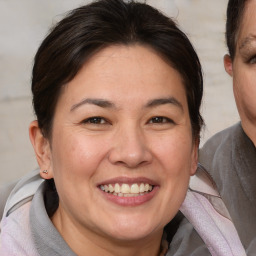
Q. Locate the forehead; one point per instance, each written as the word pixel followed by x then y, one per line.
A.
pixel 125 73
pixel 247 31
pixel 125 65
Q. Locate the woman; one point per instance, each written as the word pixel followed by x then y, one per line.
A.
pixel 230 155
pixel 116 89
pixel 236 145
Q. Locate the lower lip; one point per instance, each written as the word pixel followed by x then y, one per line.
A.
pixel 131 201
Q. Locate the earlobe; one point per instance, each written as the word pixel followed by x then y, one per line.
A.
pixel 42 150
pixel 228 64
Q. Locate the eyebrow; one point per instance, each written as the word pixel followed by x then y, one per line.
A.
pixel 163 101
pixel 108 104
pixel 98 102
pixel 247 41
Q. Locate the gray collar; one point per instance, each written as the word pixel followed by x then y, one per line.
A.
pixel 47 239
pixel 244 161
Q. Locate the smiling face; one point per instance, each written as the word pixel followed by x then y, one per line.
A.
pixel 243 70
pixel 122 149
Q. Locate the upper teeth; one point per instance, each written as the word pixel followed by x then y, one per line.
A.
pixel 126 188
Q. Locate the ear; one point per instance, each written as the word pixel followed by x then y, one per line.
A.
pixel 42 150
pixel 228 64
pixel 194 158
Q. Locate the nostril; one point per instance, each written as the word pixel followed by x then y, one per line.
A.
pixel 130 164
pixel 130 151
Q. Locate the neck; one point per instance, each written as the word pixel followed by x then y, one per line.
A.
pixel 250 130
pixel 84 241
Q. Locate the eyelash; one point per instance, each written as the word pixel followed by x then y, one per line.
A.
pixel 95 120
pixel 160 120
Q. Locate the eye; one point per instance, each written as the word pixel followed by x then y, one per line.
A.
pixel 252 60
pixel 95 120
pixel 160 120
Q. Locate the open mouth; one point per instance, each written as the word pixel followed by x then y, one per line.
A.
pixel 127 190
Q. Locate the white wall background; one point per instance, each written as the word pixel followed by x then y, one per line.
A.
pixel 23 25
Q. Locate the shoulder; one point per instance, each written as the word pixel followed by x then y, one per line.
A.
pixel 5 191
pixel 16 238
pixel 205 210
pixel 19 192
pixel 187 242
pixel 219 146
pixel 15 229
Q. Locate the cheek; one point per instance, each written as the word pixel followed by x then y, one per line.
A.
pixel 176 172
pixel 245 91
pixel 76 155
pixel 175 154
pixel 75 164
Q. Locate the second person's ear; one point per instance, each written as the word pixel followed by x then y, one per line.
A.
pixel 228 64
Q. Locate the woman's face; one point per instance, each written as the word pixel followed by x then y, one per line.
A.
pixel 122 149
pixel 243 68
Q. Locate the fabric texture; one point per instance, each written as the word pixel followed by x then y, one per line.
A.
pixel 230 158
pixel 187 242
pixel 46 238
pixel 23 191
pixel 16 234
pixel 205 210
pixel 5 191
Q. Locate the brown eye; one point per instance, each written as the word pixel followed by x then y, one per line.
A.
pixel 160 120
pixel 95 120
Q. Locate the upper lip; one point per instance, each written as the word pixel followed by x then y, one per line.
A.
pixel 128 180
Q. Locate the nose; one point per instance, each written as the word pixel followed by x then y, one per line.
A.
pixel 130 148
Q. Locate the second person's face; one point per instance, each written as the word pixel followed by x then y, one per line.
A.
pixel 244 69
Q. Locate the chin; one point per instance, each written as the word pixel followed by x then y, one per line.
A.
pixel 132 234
pixel 127 230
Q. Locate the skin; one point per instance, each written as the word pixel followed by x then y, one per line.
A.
pixel 243 69
pixel 127 142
